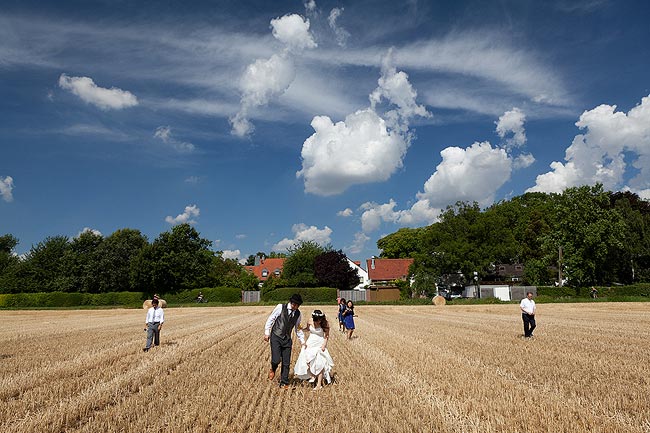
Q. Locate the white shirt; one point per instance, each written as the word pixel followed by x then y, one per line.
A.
pixel 274 315
pixel 527 305
pixel 155 315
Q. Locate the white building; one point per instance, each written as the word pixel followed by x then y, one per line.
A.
pixel 364 280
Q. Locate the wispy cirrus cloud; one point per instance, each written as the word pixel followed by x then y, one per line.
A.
pixel 208 62
pixel 164 133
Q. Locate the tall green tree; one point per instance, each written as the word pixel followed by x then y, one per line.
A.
pixel 47 266
pixel 7 258
pixel 632 263
pixel 589 232
pixel 9 263
pixel 177 260
pixel 83 262
pixel 116 254
pixel 298 269
pixel 404 243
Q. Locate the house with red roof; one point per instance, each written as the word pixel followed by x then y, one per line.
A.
pixel 383 272
pixel 265 267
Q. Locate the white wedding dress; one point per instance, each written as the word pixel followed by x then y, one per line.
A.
pixel 312 359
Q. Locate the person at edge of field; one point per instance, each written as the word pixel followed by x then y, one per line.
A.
pixel 528 309
pixel 342 304
pixel 348 319
pixel 153 324
pixel 315 361
pixel 277 330
pixel 594 292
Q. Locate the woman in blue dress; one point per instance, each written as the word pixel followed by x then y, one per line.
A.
pixel 348 319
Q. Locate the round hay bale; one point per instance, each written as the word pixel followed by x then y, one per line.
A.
pixel 439 300
pixel 147 304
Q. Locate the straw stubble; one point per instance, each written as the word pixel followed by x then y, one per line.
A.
pixel 451 369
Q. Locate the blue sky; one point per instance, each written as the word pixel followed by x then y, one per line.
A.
pixel 264 123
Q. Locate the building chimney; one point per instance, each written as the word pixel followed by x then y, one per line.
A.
pixel 372 262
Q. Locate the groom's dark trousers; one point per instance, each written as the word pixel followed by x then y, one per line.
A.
pixel 281 353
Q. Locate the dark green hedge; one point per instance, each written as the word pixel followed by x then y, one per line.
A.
pixel 61 299
pixel 211 294
pixel 316 295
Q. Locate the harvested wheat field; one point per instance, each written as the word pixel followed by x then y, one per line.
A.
pixel 408 369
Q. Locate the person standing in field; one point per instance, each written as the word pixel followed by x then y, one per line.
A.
pixel 283 319
pixel 315 361
pixel 342 304
pixel 153 324
pixel 528 309
pixel 348 319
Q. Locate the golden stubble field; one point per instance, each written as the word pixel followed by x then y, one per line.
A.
pixel 409 369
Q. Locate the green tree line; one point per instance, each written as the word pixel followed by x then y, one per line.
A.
pixel 604 238
pixel 176 260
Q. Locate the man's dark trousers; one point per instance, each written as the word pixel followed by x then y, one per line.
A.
pixel 281 352
pixel 529 324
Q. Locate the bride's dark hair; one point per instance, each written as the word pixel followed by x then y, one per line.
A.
pixel 319 316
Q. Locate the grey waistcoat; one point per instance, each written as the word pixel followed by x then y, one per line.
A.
pixel 284 324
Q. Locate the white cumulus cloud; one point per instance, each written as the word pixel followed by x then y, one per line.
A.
pixel 263 80
pixel 522 161
pixel 91 230
pixel 6 188
pixel 394 86
pixel 106 99
pixel 471 174
pixel 599 155
pixel 512 122
pixel 266 79
pixel 366 147
pixel 164 133
pixel 359 150
pixel 231 254
pixel 303 232
pixel 358 244
pixel 187 216
pixel 375 214
pixel 345 212
pixel 293 31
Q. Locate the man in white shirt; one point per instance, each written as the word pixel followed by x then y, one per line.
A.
pixel 277 330
pixel 153 324
pixel 528 309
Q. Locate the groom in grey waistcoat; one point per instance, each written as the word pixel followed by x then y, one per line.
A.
pixel 278 328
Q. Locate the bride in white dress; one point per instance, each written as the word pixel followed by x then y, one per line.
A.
pixel 314 362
